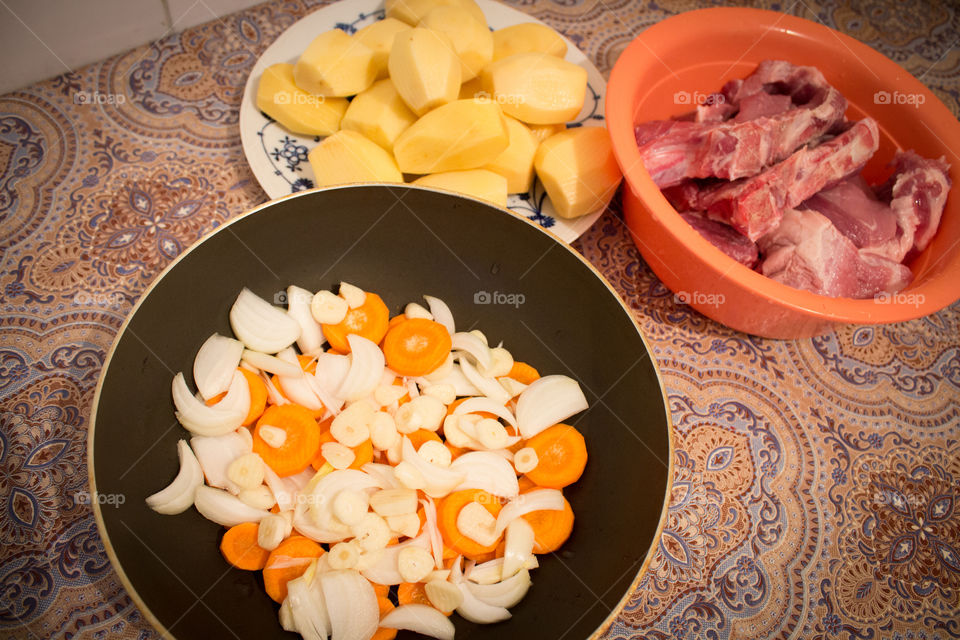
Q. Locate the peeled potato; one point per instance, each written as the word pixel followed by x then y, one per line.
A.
pixel 527 37
pixel 578 170
pixel 379 37
pixel 537 88
pixel 348 156
pixel 295 109
pixel 471 40
pixel 543 131
pixel 473 89
pixel 479 183
pixel 379 113
pixel 335 64
pixel 464 134
pixel 413 11
pixel 424 68
pixel 515 163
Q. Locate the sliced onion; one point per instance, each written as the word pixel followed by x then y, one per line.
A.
pixel 271 364
pixel 177 496
pixel 215 453
pixel 383 473
pixel 472 608
pixel 331 371
pixel 215 364
pixel 302 479
pixel 283 489
pixel 420 618
pixel 441 313
pixel 384 570
pixel 366 369
pixel 492 571
pixel 308 609
pixel 311 333
pixel 488 471
pixel 436 540
pixel 439 481
pixel 514 387
pixel 476 405
pixel 506 593
pixel 439 373
pixel 221 418
pixel 489 387
pixel 547 401
pixel 471 344
pixel 260 325
pixel 225 509
pixel 297 386
pixel 272 392
pixel 315 504
pixel 537 500
pixel 351 604
pixel 518 548
pixel 453 376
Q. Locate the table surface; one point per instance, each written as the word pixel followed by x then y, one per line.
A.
pixel 817 482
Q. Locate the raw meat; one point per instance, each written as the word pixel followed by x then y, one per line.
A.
pixel 753 206
pixel 807 252
pixel 725 238
pixel 918 196
pixel 856 212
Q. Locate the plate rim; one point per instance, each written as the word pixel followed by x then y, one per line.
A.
pixel 91 432
pixel 575 227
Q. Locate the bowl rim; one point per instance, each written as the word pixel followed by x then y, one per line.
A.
pixel 620 109
pixel 91 471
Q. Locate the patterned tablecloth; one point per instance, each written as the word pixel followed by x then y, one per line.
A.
pixel 817 482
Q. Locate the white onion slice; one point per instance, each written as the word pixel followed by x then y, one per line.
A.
pixel 518 548
pixel 366 369
pixel 436 540
pixel 488 471
pixel 351 605
pixel 283 489
pixel 215 364
pixel 225 509
pixel 537 500
pixel 271 364
pixel 308 609
pixel 472 345
pixel 311 333
pixel 215 453
pixel 441 313
pixel 260 325
pixel 476 405
pixel 383 473
pixel 491 571
pixel 384 570
pixel 273 393
pixel 221 418
pixel 547 401
pixel 315 504
pixel 420 618
pixel 489 387
pixel 454 377
pixel 472 608
pixel 504 594
pixel 331 371
pixel 439 481
pixel 297 386
pixel 177 496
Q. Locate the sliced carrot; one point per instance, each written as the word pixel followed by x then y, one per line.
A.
pixel 382 590
pixel 307 363
pixel 258 396
pixel 301 443
pixel 456 403
pixel 395 320
pixel 369 320
pixel 385 607
pixel 551 527
pixel 447 513
pixel 288 562
pixel 526 484
pixel 418 437
pixel 362 453
pixel 239 547
pixel 561 456
pixel 414 593
pixel 335 352
pixel 416 347
pixel 522 372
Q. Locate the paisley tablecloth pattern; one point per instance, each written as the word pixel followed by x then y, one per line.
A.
pixel 817 482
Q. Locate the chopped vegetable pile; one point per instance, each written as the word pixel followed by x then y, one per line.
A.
pixel 383 473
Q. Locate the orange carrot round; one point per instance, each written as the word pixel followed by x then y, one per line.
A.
pixel 522 372
pixel 300 445
pixel 418 437
pixel 287 562
pixel 383 602
pixel 416 347
pixel 362 453
pixel 258 396
pixel 414 593
pixel 561 456
pixel 369 320
pixel 449 509
pixel 239 547
pixel 551 527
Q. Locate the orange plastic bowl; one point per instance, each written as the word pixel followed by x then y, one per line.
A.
pixel 670 65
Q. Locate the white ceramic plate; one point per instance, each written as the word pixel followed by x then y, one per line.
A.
pixel 278 158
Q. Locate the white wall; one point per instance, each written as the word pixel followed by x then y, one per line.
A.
pixel 40 39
